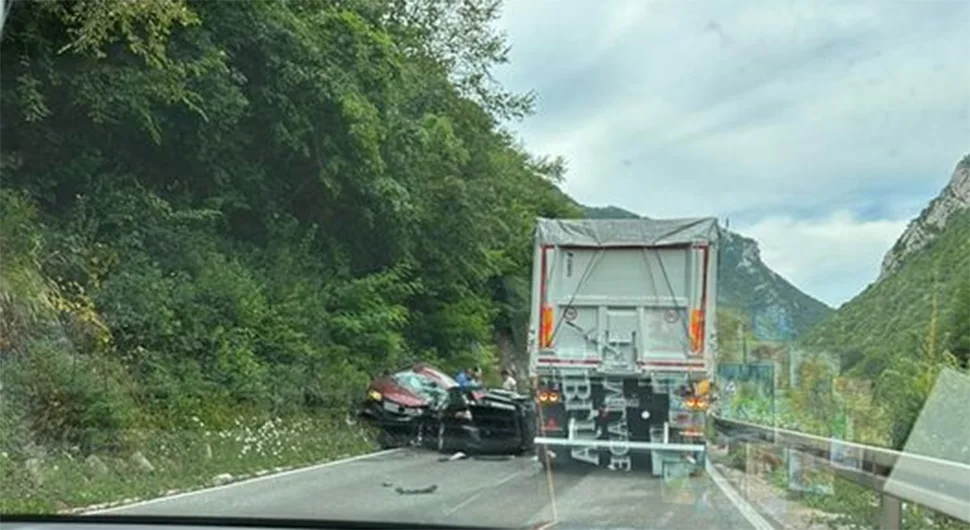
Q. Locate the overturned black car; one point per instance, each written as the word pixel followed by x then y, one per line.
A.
pixel 422 406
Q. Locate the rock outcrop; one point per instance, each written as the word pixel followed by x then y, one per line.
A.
pixel 925 227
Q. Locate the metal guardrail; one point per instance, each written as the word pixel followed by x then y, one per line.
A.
pixel 897 476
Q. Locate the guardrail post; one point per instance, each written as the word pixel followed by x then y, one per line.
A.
pixel 890 513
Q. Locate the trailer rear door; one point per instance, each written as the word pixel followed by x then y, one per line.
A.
pixel 623 308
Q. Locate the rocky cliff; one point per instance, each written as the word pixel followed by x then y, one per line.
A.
pixel 927 226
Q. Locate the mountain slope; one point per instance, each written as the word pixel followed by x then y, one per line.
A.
pixel 954 198
pixel 775 308
pixel 893 315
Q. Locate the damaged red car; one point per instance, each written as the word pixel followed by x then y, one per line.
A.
pixel 423 406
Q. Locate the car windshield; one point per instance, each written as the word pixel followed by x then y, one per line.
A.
pixel 699 264
pixel 446 380
pixel 421 385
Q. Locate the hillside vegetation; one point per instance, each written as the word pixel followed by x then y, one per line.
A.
pixel 921 300
pixel 885 369
pixel 869 370
pixel 926 299
pixel 215 209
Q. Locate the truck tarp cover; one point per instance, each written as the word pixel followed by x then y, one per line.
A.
pixel 625 232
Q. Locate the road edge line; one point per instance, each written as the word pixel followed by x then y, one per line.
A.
pixel 83 511
pixel 756 519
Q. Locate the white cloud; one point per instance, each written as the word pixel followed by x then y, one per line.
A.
pixel 827 257
pixel 751 110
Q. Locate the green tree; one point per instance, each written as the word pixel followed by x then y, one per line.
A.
pixel 257 206
pixel 958 323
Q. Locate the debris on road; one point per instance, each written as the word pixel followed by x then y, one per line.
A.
pixel 417 491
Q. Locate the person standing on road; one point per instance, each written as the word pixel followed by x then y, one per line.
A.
pixel 508 382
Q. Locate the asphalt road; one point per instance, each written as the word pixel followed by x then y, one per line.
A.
pixel 514 492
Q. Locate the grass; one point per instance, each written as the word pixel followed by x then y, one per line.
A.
pixel 181 460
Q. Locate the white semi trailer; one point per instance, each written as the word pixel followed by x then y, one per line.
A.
pixel 622 341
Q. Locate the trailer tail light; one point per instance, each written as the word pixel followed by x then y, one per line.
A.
pixel 697 330
pixel 545 334
pixel 695 403
pixel 548 397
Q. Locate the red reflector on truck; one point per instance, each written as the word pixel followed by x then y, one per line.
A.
pixel 697 330
pixel 545 338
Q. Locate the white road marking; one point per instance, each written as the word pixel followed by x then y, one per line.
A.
pixel 241 482
pixel 477 494
pixel 743 506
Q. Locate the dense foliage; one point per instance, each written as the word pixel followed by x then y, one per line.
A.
pixel 215 207
pixel 214 210
pixel 882 370
pixel 889 368
pixel 922 307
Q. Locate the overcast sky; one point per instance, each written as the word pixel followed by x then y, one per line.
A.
pixel 818 128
